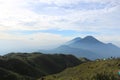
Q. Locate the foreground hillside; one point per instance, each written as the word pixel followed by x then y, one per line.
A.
pixel 96 70
pixel 24 66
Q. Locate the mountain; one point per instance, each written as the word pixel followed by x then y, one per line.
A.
pixel 92 44
pixel 86 42
pixel 65 49
pixel 30 66
pixel 90 39
pixel 89 47
pixel 95 70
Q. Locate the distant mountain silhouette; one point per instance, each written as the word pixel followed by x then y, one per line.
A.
pixel 75 51
pixel 89 47
pixel 89 39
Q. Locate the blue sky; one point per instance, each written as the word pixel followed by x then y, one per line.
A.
pixel 29 25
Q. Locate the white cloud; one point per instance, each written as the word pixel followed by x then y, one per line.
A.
pixel 64 2
pixel 56 14
pixel 15 14
pixel 36 39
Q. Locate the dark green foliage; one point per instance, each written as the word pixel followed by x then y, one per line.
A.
pixel 30 66
pixel 5 75
pixel 9 75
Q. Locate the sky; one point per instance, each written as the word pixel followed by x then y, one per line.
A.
pixel 30 25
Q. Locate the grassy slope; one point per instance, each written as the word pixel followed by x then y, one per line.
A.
pixel 97 70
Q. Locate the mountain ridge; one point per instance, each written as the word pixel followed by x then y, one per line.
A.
pixel 81 46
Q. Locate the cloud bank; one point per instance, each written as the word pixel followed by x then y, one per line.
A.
pixel 37 20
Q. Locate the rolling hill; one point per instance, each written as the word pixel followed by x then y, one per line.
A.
pixel 30 66
pixel 95 70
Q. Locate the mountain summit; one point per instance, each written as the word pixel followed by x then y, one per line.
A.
pixel 85 40
pixel 89 47
pixel 90 39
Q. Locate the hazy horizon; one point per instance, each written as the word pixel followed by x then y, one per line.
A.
pixel 29 25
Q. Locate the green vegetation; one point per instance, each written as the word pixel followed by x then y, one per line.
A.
pixel 31 66
pixel 38 66
pixel 95 70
